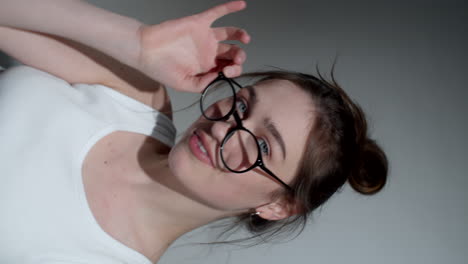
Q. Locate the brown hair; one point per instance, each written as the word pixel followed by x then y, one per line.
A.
pixel 338 150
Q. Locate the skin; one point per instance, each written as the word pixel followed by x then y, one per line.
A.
pixel 137 182
pixel 205 193
pixel 187 53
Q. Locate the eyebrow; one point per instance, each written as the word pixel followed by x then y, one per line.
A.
pixel 267 122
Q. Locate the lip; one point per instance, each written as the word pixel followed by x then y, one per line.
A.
pixel 194 138
pixel 205 143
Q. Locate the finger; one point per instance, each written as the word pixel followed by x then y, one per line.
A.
pixel 205 79
pixel 216 12
pixel 232 53
pixel 232 71
pixel 231 33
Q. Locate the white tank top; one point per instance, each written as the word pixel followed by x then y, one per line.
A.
pixel 47 127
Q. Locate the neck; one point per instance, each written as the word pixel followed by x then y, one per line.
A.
pixel 161 210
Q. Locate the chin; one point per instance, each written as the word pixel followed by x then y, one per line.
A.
pixel 180 162
pixel 183 162
pixel 190 176
pixel 194 179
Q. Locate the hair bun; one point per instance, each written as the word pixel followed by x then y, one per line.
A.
pixel 370 174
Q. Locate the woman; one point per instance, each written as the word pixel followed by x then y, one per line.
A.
pixel 92 172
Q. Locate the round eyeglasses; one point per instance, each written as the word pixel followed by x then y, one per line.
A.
pixel 240 149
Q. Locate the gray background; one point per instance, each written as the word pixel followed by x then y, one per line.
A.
pixel 405 63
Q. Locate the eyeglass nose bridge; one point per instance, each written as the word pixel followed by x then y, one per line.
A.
pixel 237 119
pixel 232 129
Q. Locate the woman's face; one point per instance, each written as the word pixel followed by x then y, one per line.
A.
pixel 280 104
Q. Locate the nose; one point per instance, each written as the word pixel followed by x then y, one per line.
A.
pixel 219 129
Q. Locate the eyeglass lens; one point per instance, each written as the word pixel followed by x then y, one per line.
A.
pixel 240 151
pixel 218 99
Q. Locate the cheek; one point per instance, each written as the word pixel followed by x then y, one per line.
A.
pixel 233 192
pixel 185 171
pixel 213 188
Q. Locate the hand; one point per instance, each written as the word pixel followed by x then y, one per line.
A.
pixel 186 54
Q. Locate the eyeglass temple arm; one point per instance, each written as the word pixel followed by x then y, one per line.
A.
pixel 274 176
pixel 239 123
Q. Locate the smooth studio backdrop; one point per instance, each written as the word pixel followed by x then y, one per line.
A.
pixel 405 63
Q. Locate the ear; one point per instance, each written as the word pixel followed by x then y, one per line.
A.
pixel 278 209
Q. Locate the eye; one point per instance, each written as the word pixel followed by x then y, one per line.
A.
pixel 242 108
pixel 264 148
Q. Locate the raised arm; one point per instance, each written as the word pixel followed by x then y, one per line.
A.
pixel 184 53
pixel 113 34
pixel 63 58
pixel 77 63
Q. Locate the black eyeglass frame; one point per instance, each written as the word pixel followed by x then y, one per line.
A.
pixel 239 126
